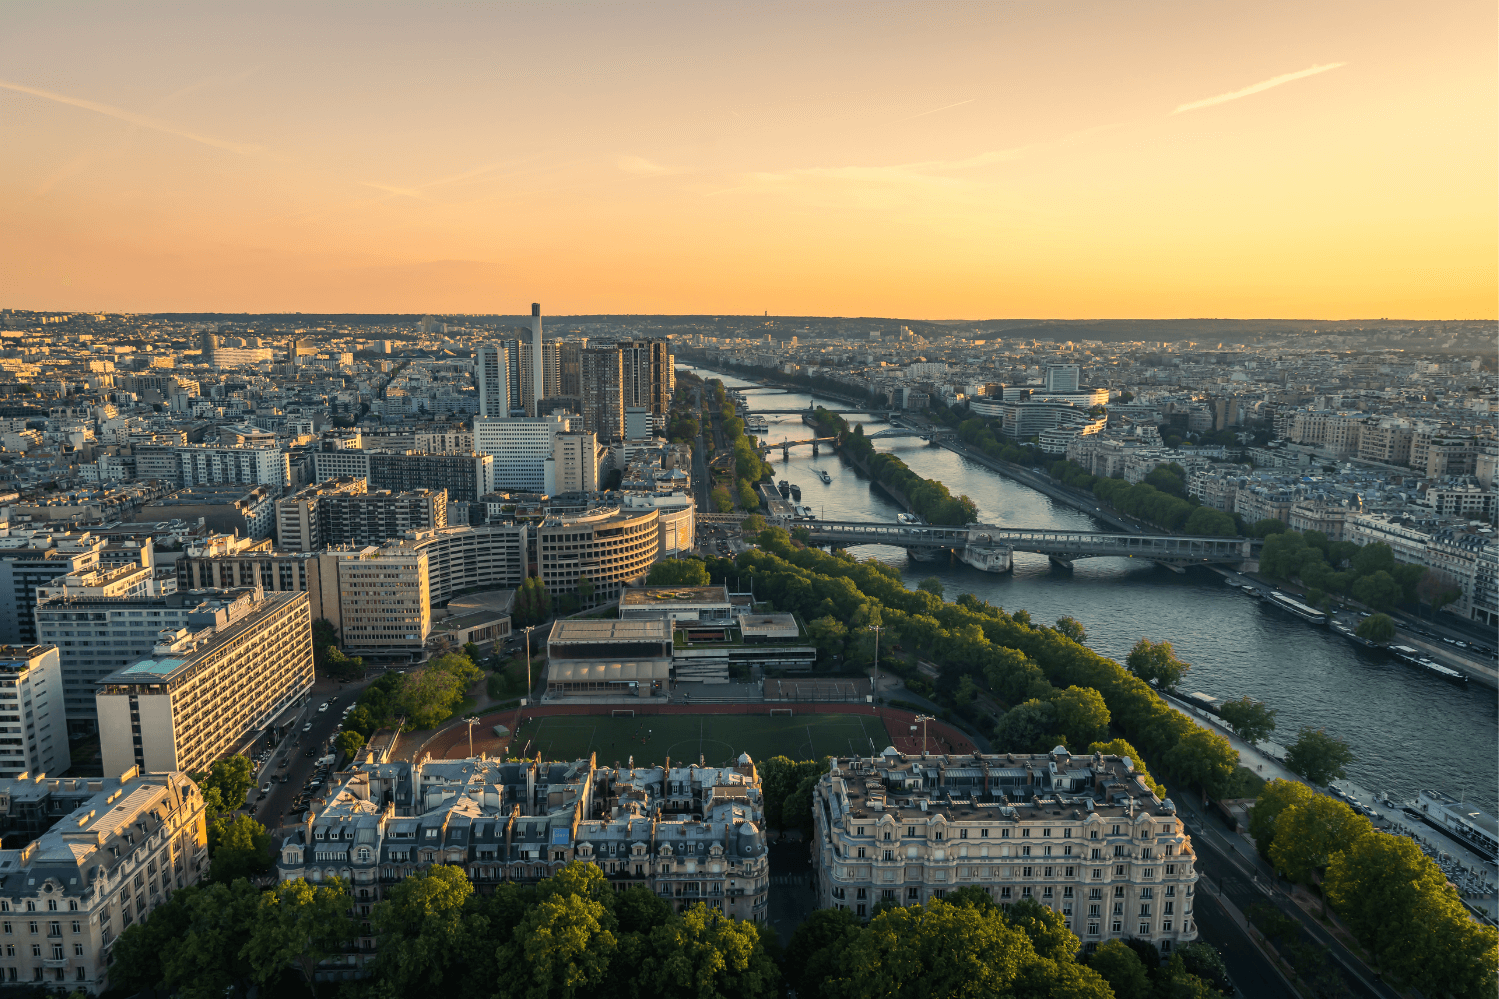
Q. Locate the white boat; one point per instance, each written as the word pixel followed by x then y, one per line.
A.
pixel 1465 822
pixel 824 476
pixel 1301 610
pixel 756 423
pixel 1407 654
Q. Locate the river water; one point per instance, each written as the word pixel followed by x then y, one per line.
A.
pixel 1408 730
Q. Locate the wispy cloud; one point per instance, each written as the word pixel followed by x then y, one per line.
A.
pixel 944 107
pixel 1264 85
pixel 143 121
pixel 641 166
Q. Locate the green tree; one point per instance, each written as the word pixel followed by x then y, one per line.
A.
pixel 431 696
pixel 1275 797
pixel 1206 963
pixel 1082 716
pixel 932 950
pixel 702 954
pixel 1436 590
pixel 1073 629
pixel 1156 662
pixel 1378 590
pixel 421 929
pixel 723 500
pixel 1207 522
pixel 1268 526
pixel 678 572
pixel 225 783
pixel 817 943
pixel 753 524
pixel 1203 758
pixel 1447 952
pixel 136 958
pixel 1309 834
pixel 1376 628
pixel 584 589
pixel 748 498
pixel 1047 929
pixel 238 848
pixel 1251 720
pixel 300 924
pixel 1122 969
pixel 1317 756
pixel 1379 886
pixel 796 812
pixel 932 585
pixel 561 948
pixel 207 959
pixel 1030 727
pixel 348 743
pixel 828 635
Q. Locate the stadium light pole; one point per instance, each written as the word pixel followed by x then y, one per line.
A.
pixel 529 628
pixel 923 719
pixel 471 721
pixel 876 690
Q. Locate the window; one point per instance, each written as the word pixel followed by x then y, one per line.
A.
pixel 913 894
pixel 1093 834
pixel 1119 891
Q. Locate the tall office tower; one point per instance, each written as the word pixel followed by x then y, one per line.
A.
pixel 235 667
pixel 601 371
pixel 209 345
pixel 538 369
pixel 492 376
pixel 526 372
pixel 573 465
pixel 569 359
pixel 551 375
pixel 520 448
pixel 647 366
pixel 1062 377
pixel 517 370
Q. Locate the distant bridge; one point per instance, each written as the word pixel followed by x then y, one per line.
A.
pixel 1060 546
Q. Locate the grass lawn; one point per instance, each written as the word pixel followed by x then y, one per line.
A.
pixel 719 738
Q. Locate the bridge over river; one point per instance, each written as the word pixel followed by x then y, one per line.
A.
pixel 1061 546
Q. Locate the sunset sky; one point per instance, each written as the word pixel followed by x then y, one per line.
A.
pixel 1309 159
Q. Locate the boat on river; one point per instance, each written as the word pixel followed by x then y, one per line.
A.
pixel 796 492
pixel 1414 657
pixel 822 474
pixel 1463 821
pixel 1304 611
pixel 755 423
pixel 784 488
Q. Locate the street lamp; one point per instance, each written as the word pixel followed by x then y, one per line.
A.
pixel 924 719
pixel 528 629
pixel 876 629
pixel 471 721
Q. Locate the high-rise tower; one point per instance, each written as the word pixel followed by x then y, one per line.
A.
pixel 538 368
pixel 492 376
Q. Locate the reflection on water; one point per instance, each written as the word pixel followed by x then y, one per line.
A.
pixel 1409 730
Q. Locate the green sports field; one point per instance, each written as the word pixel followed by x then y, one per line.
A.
pixel 719 738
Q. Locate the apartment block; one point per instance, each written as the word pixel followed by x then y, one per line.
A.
pixel 376 598
pixel 341 511
pixel 220 679
pixel 209 464
pixel 573 465
pixel 601 388
pixel 518 449
pixel 465 477
pixel 33 733
pixel 690 834
pixel 488 557
pixel 27 562
pixel 1081 835
pixel 91 857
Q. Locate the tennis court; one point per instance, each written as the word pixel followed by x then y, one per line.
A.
pixel 718 738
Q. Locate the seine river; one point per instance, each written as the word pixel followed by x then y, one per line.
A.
pixel 1409 730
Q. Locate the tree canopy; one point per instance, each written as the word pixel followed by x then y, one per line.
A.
pixel 1317 756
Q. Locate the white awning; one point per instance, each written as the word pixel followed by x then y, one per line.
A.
pixel 604 671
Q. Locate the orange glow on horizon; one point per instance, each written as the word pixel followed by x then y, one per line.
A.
pixel 1334 160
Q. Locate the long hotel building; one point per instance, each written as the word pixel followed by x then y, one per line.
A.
pixel 1081 835
pixel 228 672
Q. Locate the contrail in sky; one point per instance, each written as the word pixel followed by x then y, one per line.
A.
pixel 935 110
pixel 1274 81
pixel 130 116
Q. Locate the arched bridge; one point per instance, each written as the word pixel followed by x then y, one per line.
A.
pixel 1062 546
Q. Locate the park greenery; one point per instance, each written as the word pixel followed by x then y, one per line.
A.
pixel 1317 756
pixel 1251 720
pixel 1394 898
pixel 328 660
pixel 1057 690
pixel 238 846
pixel 571 935
pixel 420 700
pixel 965 945
pixel 1368 574
pixel 678 572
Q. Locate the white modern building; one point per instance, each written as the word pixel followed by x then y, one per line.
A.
pixel 574 464
pixel 33 731
pixel 521 448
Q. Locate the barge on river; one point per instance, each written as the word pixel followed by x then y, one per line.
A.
pixel 1304 611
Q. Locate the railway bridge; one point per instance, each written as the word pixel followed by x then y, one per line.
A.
pixel 1062 547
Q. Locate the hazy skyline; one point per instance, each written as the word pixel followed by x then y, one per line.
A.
pixel 1327 160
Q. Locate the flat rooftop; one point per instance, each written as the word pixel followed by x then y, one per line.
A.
pixel 597 630
pixel 674 596
pixel 768 626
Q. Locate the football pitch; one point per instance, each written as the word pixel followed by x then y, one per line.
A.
pixel 718 738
